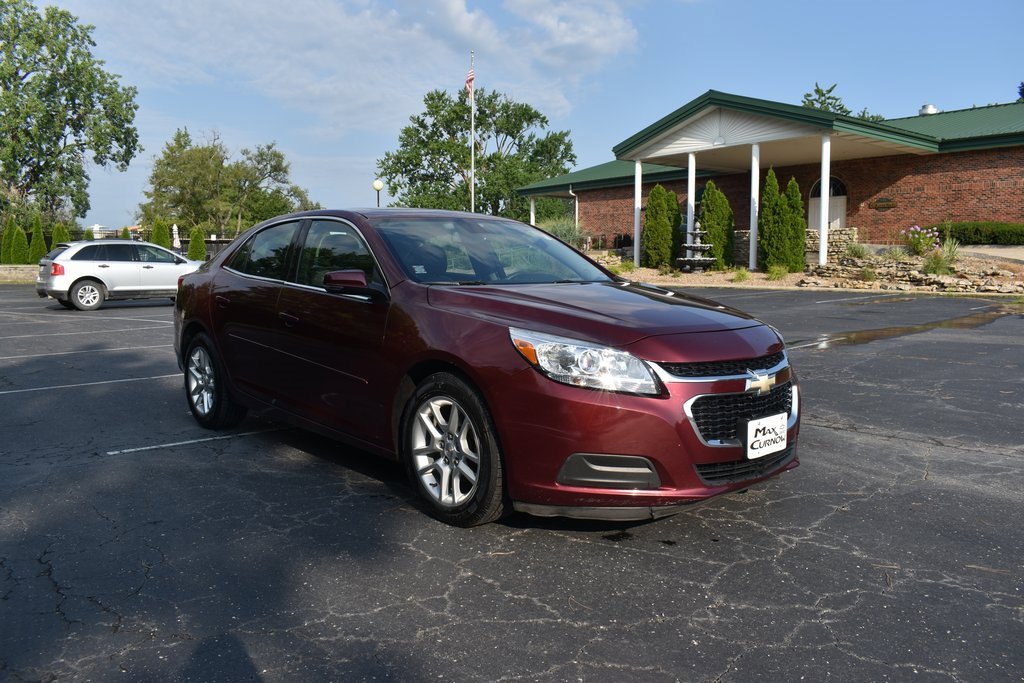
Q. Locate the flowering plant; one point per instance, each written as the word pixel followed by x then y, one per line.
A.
pixel 920 240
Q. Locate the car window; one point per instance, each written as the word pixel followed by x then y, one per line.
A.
pixel 88 253
pixel 488 251
pixel 56 251
pixel 265 254
pixel 151 254
pixel 331 246
pixel 119 252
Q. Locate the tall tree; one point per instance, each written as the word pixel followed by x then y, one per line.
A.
pixel 796 227
pixel 7 240
pixel 37 244
pixel 656 240
pixel 431 167
pixel 59 109
pixel 717 220
pixel 824 99
pixel 772 225
pixel 193 184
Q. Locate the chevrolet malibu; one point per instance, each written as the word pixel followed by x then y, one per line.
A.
pixel 506 370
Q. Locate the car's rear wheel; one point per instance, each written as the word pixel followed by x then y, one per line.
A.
pixel 206 387
pixel 86 295
pixel 451 449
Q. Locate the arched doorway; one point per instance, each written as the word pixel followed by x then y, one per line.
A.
pixel 836 205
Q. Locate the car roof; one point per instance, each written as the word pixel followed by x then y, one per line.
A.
pixel 75 243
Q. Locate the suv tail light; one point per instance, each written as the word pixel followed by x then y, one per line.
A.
pixel 57 269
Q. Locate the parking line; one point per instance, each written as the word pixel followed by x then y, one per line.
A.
pixel 70 316
pixel 87 384
pixel 192 441
pixel 68 334
pixel 71 353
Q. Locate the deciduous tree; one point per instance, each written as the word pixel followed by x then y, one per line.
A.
pixel 431 167
pixel 59 110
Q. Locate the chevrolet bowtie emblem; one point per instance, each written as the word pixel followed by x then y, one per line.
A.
pixel 759 383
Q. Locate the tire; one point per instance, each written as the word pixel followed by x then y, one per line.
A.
pixel 451 450
pixel 206 387
pixel 86 295
pixel 66 304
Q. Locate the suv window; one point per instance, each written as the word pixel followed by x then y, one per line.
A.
pixel 105 252
pixel 153 254
pixel 265 254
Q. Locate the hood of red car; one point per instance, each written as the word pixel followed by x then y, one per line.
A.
pixel 612 313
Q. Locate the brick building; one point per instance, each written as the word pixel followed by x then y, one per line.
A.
pixel 965 165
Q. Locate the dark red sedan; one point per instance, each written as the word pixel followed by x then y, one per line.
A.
pixel 504 369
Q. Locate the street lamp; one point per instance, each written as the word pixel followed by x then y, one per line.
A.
pixel 378 185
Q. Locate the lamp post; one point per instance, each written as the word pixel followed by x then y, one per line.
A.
pixel 378 185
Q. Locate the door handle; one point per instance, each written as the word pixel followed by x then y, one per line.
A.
pixel 103 265
pixel 147 267
pixel 288 319
pixel 221 301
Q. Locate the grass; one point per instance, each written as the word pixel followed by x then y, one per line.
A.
pixel 776 273
pixel 857 250
pixel 741 275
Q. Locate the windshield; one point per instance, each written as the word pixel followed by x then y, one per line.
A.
pixel 446 250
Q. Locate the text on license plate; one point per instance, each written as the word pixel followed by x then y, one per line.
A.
pixel 766 435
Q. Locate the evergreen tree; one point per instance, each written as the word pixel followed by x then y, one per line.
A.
pixel 656 240
pixel 161 233
pixel 60 234
pixel 675 220
pixel 19 246
pixel 197 244
pixel 716 219
pixel 5 243
pixel 773 237
pixel 37 247
pixel 126 234
pixel 796 227
pixel 88 235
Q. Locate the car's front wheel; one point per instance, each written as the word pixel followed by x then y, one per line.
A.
pixel 86 295
pixel 451 449
pixel 206 387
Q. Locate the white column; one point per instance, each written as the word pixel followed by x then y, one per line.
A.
pixel 755 201
pixel 638 180
pixel 826 191
pixel 691 197
pixel 533 211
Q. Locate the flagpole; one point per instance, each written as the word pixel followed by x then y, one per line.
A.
pixel 472 137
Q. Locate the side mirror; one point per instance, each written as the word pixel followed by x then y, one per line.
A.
pixel 351 282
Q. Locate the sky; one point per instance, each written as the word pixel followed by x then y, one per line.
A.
pixel 332 82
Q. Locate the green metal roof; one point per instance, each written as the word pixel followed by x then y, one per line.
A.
pixel 995 125
pixel 609 174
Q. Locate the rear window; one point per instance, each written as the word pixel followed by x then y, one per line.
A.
pixel 56 251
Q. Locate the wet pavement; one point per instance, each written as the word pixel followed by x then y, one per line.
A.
pixel 136 546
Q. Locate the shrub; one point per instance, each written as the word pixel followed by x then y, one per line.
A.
pixel 197 244
pixel 675 221
pixel 868 274
pixel 796 228
pixel 5 242
pixel 161 233
pixel 777 272
pixel 126 234
pixel 772 225
pixel 60 234
pixel 981 232
pixel 920 240
pixel 857 250
pixel 565 229
pixel 893 254
pixel 37 247
pixel 936 263
pixel 19 246
pixel 88 235
pixel 716 218
pixel 950 249
pixel 656 240
pixel 741 275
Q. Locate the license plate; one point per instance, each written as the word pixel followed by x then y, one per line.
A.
pixel 766 435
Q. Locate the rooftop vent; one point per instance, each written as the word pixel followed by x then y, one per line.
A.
pixel 928 109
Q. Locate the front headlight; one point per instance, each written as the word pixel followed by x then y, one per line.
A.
pixel 584 364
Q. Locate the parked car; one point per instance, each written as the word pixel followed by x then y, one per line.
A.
pixel 505 369
pixel 84 274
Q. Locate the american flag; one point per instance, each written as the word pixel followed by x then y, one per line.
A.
pixel 469 83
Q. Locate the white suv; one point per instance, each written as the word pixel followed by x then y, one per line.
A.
pixel 83 275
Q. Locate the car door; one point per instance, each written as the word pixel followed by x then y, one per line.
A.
pixel 113 264
pixel 244 310
pixel 333 341
pixel 159 269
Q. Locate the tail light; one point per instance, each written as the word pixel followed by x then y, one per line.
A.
pixel 57 269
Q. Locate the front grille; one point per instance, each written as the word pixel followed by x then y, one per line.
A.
pixel 729 368
pixel 717 416
pixel 741 470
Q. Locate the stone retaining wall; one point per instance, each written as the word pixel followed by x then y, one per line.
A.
pixel 20 274
pixel 838 240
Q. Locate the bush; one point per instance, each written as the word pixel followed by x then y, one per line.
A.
pixel 161 233
pixel 197 244
pixel 656 240
pixel 920 240
pixel 981 232
pixel 19 246
pixel 60 234
pixel 37 247
pixel 88 235
pixel 857 250
pixel 868 274
pixel 893 254
pixel 936 263
pixel 565 229
pixel 716 218
pixel 796 228
pixel 742 275
pixel 5 242
pixel 777 272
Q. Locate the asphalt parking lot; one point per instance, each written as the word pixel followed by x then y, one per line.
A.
pixel 136 546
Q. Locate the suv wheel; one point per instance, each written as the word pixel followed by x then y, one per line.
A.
pixel 86 295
